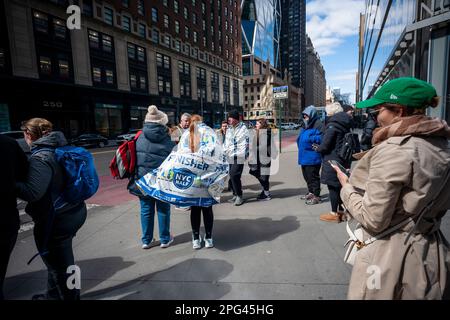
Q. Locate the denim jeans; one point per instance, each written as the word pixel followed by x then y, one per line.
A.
pixel 148 219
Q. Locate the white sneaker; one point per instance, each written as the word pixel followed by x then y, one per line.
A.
pixel 146 246
pixel 196 244
pixel 209 243
pixel 166 245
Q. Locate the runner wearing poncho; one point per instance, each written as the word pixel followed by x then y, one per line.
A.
pixel 188 178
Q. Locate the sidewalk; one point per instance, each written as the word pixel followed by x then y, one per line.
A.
pixel 263 250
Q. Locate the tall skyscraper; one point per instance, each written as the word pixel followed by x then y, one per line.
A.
pixel 293 40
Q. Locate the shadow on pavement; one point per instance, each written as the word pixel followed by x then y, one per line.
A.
pixel 201 283
pixel 35 282
pixel 238 233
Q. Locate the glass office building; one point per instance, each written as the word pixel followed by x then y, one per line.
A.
pixel 401 38
pixel 261 24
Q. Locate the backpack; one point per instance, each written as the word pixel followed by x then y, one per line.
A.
pixel 123 163
pixel 350 145
pixel 80 176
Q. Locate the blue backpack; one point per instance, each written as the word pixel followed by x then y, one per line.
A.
pixel 81 176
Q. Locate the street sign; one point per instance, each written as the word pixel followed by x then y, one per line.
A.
pixel 280 92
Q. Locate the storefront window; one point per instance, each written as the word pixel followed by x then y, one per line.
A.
pixel 108 119
pixel 4 118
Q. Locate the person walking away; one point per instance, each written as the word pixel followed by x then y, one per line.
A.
pixel 152 148
pixel 202 140
pixel 367 134
pixel 309 160
pixel 178 131
pixel 54 228
pixel 14 164
pixel 338 125
pixel 236 149
pixel 398 192
pixel 260 157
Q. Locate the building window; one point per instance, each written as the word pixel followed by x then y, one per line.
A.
pixel 166 21
pixel 193 3
pixel 133 81
pixel 177 45
pixel 195 36
pixel 165 3
pixel 107 43
pixel 184 68
pixel 177 27
pixel 175 6
pixel 41 22
pixel 126 3
pixel 203 8
pixel 163 61
pixel 143 82
pixel 126 23
pixel 131 51
pixel 194 18
pixel 186 13
pixel 97 74
pixel 108 15
pixel 2 58
pixel 186 32
pixel 142 29
pixel 141 8
pixel 167 41
pixel 154 15
pixel 94 39
pixel 204 41
pixel 204 25
pixel 87 7
pixel 140 54
pixel 155 36
pixel 109 76
pixel 45 65
pixel 60 28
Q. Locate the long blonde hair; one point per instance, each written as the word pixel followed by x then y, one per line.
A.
pixel 194 140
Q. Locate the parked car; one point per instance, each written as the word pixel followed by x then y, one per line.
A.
pixel 89 140
pixel 18 136
pixel 288 126
pixel 127 136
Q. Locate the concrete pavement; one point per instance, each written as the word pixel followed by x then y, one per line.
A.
pixel 263 250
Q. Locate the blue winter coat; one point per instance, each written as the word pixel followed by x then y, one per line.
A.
pixel 312 133
pixel 152 148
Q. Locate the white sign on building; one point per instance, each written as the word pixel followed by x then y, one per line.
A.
pixel 280 92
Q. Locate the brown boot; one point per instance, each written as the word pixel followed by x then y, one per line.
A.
pixel 331 217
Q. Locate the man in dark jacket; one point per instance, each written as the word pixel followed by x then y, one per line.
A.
pixel 14 166
pixel 367 134
pixel 152 148
pixel 308 159
pixel 338 125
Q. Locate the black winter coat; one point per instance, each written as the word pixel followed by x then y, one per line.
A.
pixel 152 148
pixel 336 128
pixel 14 164
pixel 45 181
pixel 366 137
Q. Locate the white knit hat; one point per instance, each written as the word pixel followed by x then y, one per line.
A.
pixel 333 108
pixel 156 116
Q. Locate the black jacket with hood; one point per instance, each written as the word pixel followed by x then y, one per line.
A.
pixel 336 128
pixel 45 180
pixel 152 148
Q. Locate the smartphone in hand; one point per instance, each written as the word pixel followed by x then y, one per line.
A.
pixel 340 166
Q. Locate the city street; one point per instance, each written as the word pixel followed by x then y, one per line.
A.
pixel 263 250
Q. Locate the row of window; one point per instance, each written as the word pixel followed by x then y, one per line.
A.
pixel 54 65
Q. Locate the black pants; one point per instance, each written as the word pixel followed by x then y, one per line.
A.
pixel 208 221
pixel 263 179
pixel 7 242
pixel 335 198
pixel 311 174
pixel 235 177
pixel 60 252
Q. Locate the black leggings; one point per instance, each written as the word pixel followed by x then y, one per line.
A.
pixel 208 220
pixel 335 198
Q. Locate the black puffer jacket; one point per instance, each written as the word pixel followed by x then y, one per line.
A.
pixel 152 148
pixel 336 128
pixel 45 180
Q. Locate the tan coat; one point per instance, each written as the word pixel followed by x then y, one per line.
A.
pixel 393 181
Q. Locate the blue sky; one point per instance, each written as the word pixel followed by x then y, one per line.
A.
pixel 333 26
